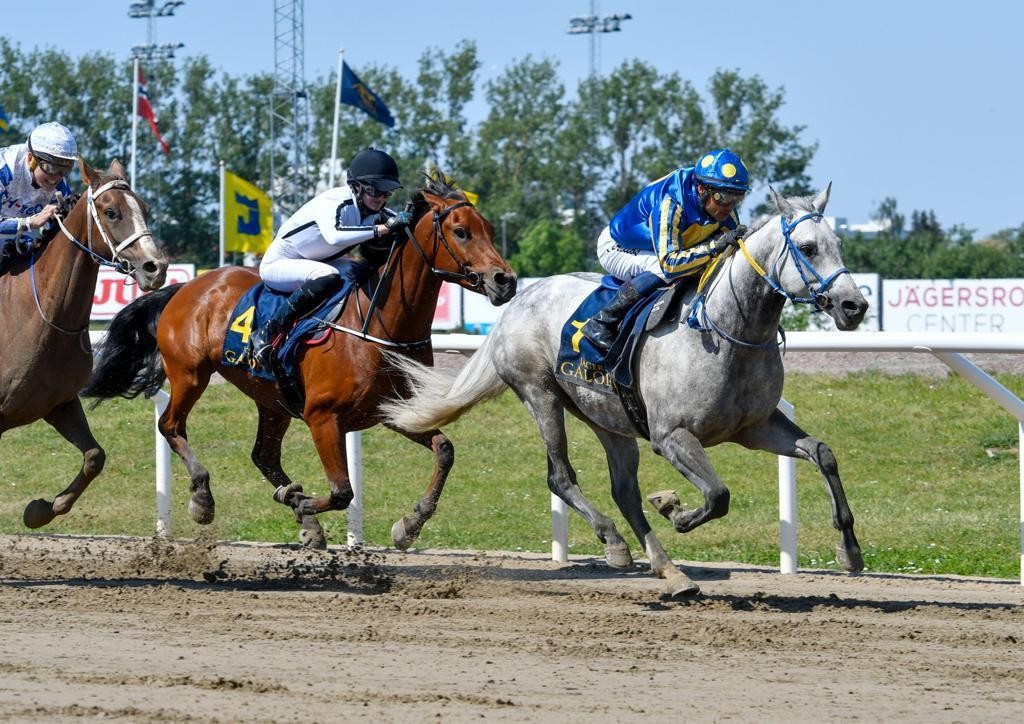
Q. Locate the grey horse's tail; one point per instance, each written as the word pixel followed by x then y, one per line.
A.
pixel 440 396
pixel 128 363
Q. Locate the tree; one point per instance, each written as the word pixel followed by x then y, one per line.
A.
pixel 548 247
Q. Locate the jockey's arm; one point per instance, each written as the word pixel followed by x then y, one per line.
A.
pixel 675 259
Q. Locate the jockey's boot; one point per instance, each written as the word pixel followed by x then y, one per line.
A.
pixel 602 329
pixel 303 300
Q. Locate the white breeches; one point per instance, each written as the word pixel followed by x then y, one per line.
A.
pixel 285 270
pixel 625 263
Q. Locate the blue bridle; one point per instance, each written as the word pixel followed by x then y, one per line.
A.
pixel 815 283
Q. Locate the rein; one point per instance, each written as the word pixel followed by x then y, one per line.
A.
pixel 815 283
pixel 389 268
pixel 119 265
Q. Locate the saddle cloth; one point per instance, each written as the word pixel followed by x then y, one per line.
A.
pixel 581 363
pixel 254 308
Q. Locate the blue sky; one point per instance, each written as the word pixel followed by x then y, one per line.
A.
pixel 919 100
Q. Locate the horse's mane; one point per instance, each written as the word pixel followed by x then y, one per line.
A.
pixel 800 203
pixel 438 183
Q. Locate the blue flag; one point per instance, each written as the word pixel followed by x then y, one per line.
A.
pixel 355 93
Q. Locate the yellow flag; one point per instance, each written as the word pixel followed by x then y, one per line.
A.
pixel 247 219
pixel 471 197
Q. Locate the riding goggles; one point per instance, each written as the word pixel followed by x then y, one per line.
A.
pixel 53 169
pixel 372 192
pixel 723 197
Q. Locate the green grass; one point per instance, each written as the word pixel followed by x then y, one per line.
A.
pixel 927 496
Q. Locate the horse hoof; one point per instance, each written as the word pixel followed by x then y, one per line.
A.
pixel 664 501
pixel 201 514
pixel 682 589
pixel 38 513
pixel 311 534
pixel 401 536
pixel 617 555
pixel 851 560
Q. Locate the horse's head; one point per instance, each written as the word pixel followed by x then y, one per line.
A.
pixel 118 217
pixel 805 259
pixel 457 242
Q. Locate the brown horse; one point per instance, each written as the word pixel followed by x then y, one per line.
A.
pixel 46 299
pixel 345 379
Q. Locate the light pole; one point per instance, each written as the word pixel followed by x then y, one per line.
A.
pixel 592 25
pixel 504 231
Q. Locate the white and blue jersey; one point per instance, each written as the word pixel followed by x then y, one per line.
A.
pixel 667 219
pixel 310 241
pixel 20 197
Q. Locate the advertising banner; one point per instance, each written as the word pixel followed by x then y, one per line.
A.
pixel 114 291
pixel 953 305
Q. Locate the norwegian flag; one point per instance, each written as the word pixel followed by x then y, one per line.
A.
pixel 146 111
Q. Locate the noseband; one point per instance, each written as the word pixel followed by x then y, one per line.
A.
pixel 464 274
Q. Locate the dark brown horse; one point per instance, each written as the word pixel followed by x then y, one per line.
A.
pixel 345 379
pixel 46 299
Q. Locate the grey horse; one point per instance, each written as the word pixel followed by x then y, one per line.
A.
pixel 718 380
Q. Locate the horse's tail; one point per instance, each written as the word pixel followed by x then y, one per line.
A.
pixel 439 396
pixel 128 362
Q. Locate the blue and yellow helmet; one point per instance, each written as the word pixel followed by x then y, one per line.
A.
pixel 722 169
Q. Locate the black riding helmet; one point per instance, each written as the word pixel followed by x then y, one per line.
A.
pixel 374 168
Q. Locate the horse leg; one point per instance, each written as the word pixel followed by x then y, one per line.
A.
pixel 186 389
pixel 687 456
pixel 407 528
pixel 329 438
pixel 266 455
pixel 623 461
pixel 68 419
pixel 549 415
pixel 781 436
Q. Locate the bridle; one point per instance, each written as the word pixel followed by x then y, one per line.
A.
pixel 816 285
pixel 474 279
pixel 120 265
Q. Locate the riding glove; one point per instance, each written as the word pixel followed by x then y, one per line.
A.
pixel 399 221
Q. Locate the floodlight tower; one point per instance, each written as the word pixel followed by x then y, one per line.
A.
pixel 289 110
pixel 592 25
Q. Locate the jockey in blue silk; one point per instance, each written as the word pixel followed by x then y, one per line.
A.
pixel 32 174
pixel 336 235
pixel 671 229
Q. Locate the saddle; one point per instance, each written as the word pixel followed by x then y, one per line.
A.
pixel 614 372
pixel 257 305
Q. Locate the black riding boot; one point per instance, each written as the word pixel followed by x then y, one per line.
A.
pixel 602 329
pixel 303 300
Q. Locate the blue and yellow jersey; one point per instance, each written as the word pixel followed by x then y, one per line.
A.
pixel 667 219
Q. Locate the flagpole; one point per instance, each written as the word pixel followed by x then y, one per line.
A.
pixel 221 262
pixel 135 116
pixel 337 106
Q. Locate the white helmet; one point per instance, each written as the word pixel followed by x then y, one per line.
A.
pixel 54 143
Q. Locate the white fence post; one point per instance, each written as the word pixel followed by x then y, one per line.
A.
pixel 787 503
pixel 354 453
pixel 163 469
pixel 559 530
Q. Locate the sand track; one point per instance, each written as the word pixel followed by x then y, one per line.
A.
pixel 146 630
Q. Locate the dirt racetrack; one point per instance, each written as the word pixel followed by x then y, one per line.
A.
pixel 145 630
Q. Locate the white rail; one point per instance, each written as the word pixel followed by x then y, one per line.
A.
pixel 947 348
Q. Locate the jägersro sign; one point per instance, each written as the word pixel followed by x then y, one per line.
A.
pixel 953 305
